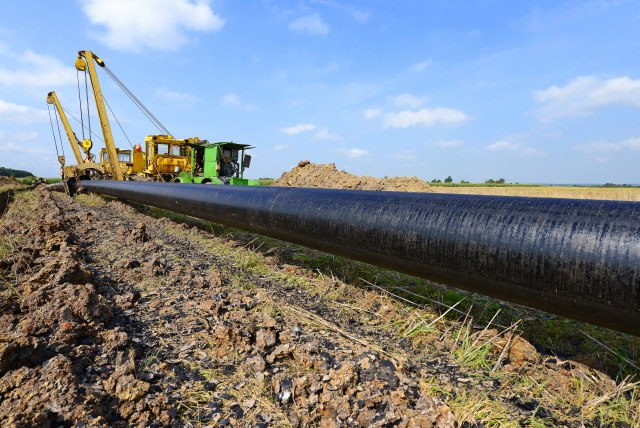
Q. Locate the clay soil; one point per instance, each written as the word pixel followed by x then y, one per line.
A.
pixel 307 174
pixel 115 315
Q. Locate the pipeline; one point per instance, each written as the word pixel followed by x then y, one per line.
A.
pixel 576 258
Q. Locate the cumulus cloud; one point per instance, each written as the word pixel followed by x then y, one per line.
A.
pixel 405 155
pixel 421 66
pixel 233 100
pixel 372 112
pixel 20 113
pixel 13 148
pixel 134 25
pixel 425 117
pixel 179 99
pixel 310 24
pixel 324 134
pixel 296 129
pixel 630 144
pixel 514 147
pixel 353 152
pixel 448 144
pixel 407 100
pixel 36 71
pixel 585 94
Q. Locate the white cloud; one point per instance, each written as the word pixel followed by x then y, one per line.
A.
pixel 630 144
pixel 360 15
pixel 407 100
pixel 585 94
pixel 310 24
pixel 36 71
pixel 513 147
pixel 179 99
pixel 405 155
pixel 280 147
pixel 296 129
pixel 448 144
pixel 26 136
pixel 425 117
pixel 353 153
pixel 134 25
pixel 233 100
pixel 324 134
pixel 21 113
pixel 372 112
pixel 421 66
pixel 13 148
pixel 329 68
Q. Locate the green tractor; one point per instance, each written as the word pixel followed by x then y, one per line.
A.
pixel 217 163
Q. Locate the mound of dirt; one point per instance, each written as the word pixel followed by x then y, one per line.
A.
pixel 9 181
pixel 307 174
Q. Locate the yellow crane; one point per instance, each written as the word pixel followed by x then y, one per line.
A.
pixel 86 166
pixel 87 60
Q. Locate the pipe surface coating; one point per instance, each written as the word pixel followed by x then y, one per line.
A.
pixel 576 258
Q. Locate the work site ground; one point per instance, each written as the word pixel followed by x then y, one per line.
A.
pixel 113 314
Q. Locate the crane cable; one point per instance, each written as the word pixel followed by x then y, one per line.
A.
pixel 81 124
pixel 80 101
pixel 55 141
pixel 116 118
pixel 86 91
pixel 156 122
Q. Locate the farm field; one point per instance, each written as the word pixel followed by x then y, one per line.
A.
pixel 577 192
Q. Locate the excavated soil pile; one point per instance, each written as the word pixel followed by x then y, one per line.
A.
pixel 308 174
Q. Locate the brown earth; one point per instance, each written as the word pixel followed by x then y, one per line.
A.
pixel 9 181
pixel 111 317
pixel 307 174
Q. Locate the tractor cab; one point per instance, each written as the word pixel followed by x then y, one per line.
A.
pixel 131 162
pixel 167 157
pixel 218 163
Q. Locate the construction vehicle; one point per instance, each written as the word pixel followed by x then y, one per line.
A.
pixel 164 159
pixel 217 163
pixel 86 166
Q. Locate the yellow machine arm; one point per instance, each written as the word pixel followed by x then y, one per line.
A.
pixel 86 61
pixel 86 145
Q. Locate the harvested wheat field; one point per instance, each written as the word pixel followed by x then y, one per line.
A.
pixel 121 315
pixel 578 192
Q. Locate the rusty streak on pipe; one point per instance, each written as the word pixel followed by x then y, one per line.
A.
pixel 576 258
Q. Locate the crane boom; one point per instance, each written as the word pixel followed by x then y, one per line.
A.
pixel 86 61
pixel 52 98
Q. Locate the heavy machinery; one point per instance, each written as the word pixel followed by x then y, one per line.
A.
pixel 217 163
pixel 165 158
pixel 86 167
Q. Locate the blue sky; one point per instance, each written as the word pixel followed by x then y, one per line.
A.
pixel 530 91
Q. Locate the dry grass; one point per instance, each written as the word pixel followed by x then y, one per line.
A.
pixel 618 194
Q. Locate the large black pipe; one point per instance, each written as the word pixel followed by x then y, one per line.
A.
pixel 576 258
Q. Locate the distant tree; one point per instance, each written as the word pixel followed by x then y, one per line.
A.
pixel 490 181
pixel 448 180
pixel 464 182
pixel 500 181
pixel 17 173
